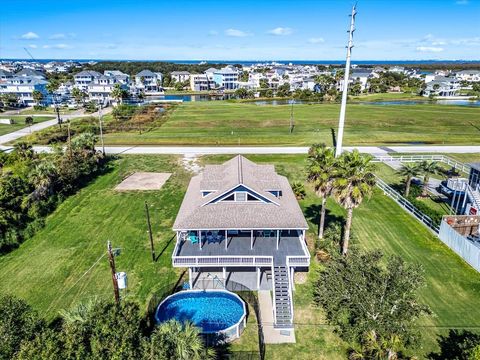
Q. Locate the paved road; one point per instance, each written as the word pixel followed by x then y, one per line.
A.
pixel 43 125
pixel 211 150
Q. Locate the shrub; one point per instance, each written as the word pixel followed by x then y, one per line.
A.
pixel 298 189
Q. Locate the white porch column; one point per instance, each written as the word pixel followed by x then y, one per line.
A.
pixel 200 239
pixel 190 280
pixel 251 239
pixel 226 239
pixel 303 233
pixel 224 277
pixel 278 237
pixel 258 278
pixel 292 273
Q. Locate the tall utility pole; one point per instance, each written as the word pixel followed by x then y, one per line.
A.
pixel 292 125
pixel 147 213
pixel 111 260
pixel 101 128
pixel 341 121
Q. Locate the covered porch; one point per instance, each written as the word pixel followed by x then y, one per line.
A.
pixel 275 243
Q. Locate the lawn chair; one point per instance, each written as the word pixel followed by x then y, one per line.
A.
pixel 193 238
pixel 210 238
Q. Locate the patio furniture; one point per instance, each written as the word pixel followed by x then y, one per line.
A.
pixel 219 238
pixel 210 238
pixel 261 233
pixel 193 238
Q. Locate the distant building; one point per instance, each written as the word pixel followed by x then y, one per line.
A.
pixel 100 90
pixel 468 75
pixel 201 82
pixel 31 73
pixel 180 76
pixel 227 78
pixel 5 75
pixel 23 87
pixel 149 82
pixel 442 87
pixel 84 78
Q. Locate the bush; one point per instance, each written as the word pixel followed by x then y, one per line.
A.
pixel 415 192
pixel 38 107
pixel 124 112
pixel 298 189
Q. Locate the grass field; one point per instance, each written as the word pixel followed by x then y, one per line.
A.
pixel 20 123
pixel 233 123
pixel 47 269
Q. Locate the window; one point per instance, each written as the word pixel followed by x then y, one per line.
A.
pixel 252 198
pixel 240 196
pixel 229 198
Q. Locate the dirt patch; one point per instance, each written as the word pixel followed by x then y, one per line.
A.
pixel 143 181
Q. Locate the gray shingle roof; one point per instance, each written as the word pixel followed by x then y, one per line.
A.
pixel 180 73
pixel 88 73
pixel 475 165
pixel 197 212
pixel 145 73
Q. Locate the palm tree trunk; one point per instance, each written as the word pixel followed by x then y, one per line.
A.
pixel 407 186
pixel 346 236
pixel 426 179
pixel 321 224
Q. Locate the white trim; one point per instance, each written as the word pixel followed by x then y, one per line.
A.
pixel 233 188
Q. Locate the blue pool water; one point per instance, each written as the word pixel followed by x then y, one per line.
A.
pixel 211 311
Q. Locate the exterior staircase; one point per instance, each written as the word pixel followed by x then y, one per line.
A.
pixel 474 196
pixel 282 298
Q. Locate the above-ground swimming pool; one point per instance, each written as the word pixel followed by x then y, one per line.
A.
pixel 217 312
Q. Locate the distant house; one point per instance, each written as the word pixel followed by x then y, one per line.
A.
pixel 84 78
pixel 118 75
pixel 240 223
pixel 100 90
pixel 31 73
pixel 227 78
pixel 149 82
pixel 5 75
pixel 201 82
pixel 23 87
pixel 468 75
pixel 442 86
pixel 360 76
pixel 180 76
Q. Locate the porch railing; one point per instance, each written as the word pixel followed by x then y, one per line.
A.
pixel 415 158
pixel 232 260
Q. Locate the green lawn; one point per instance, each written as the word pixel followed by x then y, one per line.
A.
pixel 20 122
pixel 235 123
pixel 44 269
pixel 48 110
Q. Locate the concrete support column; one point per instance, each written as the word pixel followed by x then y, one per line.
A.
pixel 226 239
pixel 190 278
pixel 224 269
pixel 200 239
pixel 292 273
pixel 278 238
pixel 251 239
pixel 258 278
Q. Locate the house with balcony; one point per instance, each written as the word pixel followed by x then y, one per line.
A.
pixel 201 82
pixel 180 76
pixel 149 82
pixel 240 223
pixel 23 87
pixel 226 78
pixel 85 78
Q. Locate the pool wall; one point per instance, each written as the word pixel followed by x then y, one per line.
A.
pixel 229 334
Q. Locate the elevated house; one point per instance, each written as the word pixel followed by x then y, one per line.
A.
pixel 85 78
pixel 180 76
pixel 149 82
pixel 23 87
pixel 240 223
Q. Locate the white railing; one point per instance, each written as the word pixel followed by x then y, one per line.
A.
pixel 474 196
pixel 407 205
pixel 223 260
pixel 273 295
pixel 415 158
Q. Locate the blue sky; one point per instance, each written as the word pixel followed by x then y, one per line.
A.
pixel 243 30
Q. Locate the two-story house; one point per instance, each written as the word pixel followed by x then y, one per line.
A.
pixel 84 78
pixel 242 221
pixel 23 87
pixel 180 76
pixel 227 78
pixel 149 82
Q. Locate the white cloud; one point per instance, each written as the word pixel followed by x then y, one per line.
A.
pixel 57 36
pixel 32 46
pixel 429 49
pixel 57 46
pixel 317 40
pixel 280 31
pixel 29 36
pixel 236 33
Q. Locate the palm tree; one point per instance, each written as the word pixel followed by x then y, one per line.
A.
pixel 117 93
pixel 409 170
pixel 321 173
pixel 42 178
pixel 173 340
pixel 428 168
pixel 37 97
pixel 355 181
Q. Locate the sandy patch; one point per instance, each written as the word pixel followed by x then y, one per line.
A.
pixel 143 181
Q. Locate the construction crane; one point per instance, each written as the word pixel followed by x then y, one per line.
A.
pixel 28 52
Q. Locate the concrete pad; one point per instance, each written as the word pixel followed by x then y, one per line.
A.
pixel 270 334
pixel 143 181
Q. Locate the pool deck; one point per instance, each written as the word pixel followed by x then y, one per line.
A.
pixel 270 334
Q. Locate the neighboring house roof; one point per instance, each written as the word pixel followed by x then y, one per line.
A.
pixel 211 70
pixel 180 73
pixel 88 73
pixel 30 72
pixel 145 73
pixel 5 73
pixel 206 212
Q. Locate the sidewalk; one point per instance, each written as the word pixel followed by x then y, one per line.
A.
pixel 271 335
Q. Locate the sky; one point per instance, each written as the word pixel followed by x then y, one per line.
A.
pixel 240 30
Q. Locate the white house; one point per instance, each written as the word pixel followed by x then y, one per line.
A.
pixel 442 87
pixel 100 90
pixel 180 76
pixel 201 82
pixel 227 78
pixel 84 78
pixel 149 82
pixel 23 87
pixel 468 75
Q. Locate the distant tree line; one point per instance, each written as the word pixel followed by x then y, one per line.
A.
pixel 32 185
